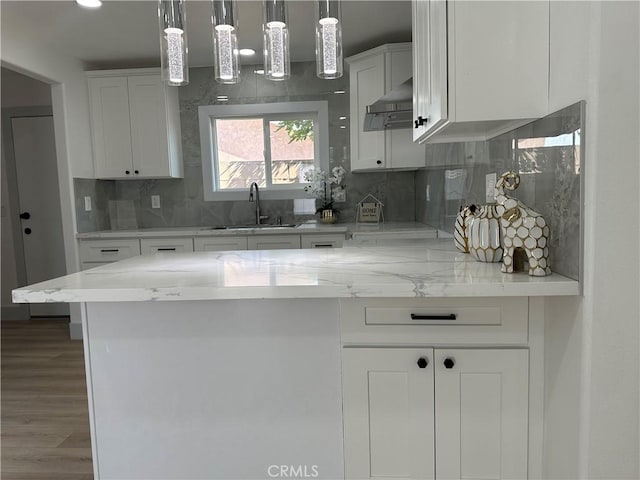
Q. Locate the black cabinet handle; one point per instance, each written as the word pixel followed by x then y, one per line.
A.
pixel 423 362
pixel 323 245
pixel 449 362
pixel 27 231
pixel 136 172
pixel 417 316
pixel 25 215
pixel 379 162
pixel 127 172
pixel 167 249
pixel 109 250
pixel 421 121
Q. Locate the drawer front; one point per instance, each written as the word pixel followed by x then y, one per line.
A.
pixel 166 245
pixel 273 242
pixel 321 241
pixel 106 251
pixel 216 244
pixel 435 321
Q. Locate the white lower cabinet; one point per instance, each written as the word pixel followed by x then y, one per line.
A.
pixel 273 242
pixel 423 413
pixel 165 245
pixel 217 244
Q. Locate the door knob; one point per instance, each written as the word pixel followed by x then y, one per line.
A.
pixel 27 231
pixel 423 362
pixel 25 215
pixel 449 362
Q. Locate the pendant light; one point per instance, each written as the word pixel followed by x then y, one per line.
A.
pixel 328 39
pixel 276 40
pixel 225 41
pixel 173 42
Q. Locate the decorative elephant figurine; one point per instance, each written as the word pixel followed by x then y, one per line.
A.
pixel 522 228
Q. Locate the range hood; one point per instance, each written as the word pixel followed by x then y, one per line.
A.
pixel 394 110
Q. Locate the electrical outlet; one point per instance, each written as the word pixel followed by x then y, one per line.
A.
pixel 87 204
pixel 155 201
pixel 490 185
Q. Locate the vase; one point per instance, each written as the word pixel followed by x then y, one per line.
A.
pixel 484 235
pixel 328 216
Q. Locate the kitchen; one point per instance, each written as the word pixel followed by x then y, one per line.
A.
pixel 580 359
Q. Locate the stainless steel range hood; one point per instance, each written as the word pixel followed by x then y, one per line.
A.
pixel 394 110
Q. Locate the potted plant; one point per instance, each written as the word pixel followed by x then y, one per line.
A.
pixel 321 186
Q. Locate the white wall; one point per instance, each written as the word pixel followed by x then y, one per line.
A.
pixel 592 343
pixel 24 51
pixel 22 91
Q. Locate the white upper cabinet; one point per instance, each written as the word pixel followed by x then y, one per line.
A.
pixel 373 74
pixel 481 68
pixel 135 123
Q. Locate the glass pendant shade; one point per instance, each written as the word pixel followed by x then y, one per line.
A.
pixel 173 42
pixel 328 39
pixel 225 41
pixel 276 40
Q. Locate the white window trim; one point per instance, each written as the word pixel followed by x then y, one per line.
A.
pixel 208 113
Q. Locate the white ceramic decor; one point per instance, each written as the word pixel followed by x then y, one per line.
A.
pixel 522 228
pixel 484 235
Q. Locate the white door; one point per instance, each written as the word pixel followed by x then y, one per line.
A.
pixel 481 413
pixel 39 198
pixel 388 413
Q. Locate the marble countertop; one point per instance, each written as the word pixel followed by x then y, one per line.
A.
pixel 419 268
pixel 304 228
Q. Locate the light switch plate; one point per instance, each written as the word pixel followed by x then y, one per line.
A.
pixel 87 204
pixel 155 201
pixel 490 185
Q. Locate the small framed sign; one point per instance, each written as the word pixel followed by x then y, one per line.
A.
pixel 370 210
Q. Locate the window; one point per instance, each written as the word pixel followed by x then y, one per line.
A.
pixel 272 144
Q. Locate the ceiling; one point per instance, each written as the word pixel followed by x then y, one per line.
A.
pixel 124 33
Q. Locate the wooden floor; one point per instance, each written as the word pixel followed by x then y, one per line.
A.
pixel 45 423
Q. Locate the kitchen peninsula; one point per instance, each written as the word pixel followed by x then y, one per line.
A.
pixel 228 365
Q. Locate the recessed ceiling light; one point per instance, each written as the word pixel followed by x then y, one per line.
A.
pixel 339 92
pixel 89 3
pixel 342 126
pixel 343 118
pixel 222 98
pixel 259 72
pixel 247 52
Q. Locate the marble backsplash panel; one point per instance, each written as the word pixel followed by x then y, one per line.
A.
pixel 548 156
pixel 182 202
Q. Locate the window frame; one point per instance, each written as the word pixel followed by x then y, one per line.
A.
pixel 207 114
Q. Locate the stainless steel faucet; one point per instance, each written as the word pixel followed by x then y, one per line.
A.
pixel 259 217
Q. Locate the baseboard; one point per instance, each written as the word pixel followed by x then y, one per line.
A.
pixel 15 312
pixel 75 331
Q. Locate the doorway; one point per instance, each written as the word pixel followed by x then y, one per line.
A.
pixel 32 202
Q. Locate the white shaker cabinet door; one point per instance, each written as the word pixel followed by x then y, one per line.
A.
pixel 481 400
pixel 111 126
pixel 149 135
pixel 388 413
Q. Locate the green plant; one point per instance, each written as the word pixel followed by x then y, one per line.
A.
pixel 298 130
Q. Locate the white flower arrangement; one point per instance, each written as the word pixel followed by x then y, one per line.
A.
pixel 321 185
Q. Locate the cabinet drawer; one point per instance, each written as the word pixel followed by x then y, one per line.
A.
pixel 435 321
pixel 105 251
pixel 166 245
pixel 273 242
pixel 322 241
pixel 216 244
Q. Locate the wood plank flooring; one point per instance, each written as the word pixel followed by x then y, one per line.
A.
pixel 44 413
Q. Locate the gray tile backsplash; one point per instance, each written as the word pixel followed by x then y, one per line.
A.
pixel 547 155
pixel 454 176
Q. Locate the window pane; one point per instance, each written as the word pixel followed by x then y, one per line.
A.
pixel 292 150
pixel 240 152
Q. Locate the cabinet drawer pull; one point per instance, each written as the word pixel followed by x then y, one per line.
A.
pixel 109 250
pixel 415 316
pixel 167 249
pixel 322 245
